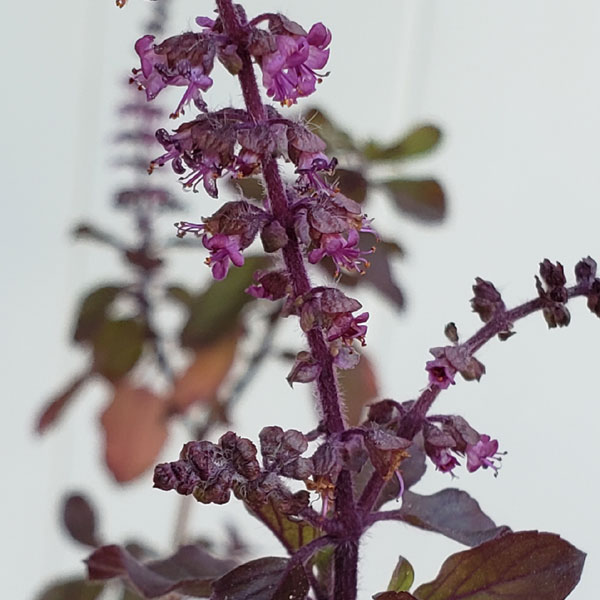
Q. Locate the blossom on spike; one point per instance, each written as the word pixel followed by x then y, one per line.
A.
pixel 182 60
pixel 482 454
pixel 290 70
pixel 441 373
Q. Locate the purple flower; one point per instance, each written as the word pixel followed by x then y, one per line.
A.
pixel 183 60
pixel 482 454
pixel 348 328
pixel 223 250
pixel 290 71
pixel 443 460
pixel 441 373
pixel 344 252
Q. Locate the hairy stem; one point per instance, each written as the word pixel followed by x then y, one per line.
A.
pixel 329 399
pixel 412 421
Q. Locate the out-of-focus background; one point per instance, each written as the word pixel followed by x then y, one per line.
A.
pixel 514 87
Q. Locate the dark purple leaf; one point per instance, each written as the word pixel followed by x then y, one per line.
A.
pixel 394 596
pixel 190 571
pixel 452 513
pixel 72 589
pixel 80 520
pixel 527 565
pixel 420 198
pixel 264 579
pixel 352 184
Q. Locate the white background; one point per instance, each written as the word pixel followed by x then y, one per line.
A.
pixel 513 85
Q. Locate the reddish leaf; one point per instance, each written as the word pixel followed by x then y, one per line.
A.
pixel 527 565
pixel 135 427
pixel 54 408
pixel 205 374
pixel 118 345
pixel 80 520
pixel 452 513
pixel 93 310
pixel 394 596
pixel 189 571
pixel 263 579
pixel 72 589
pixel 420 198
pixel 359 388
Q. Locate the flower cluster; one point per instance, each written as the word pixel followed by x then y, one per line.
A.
pixel 449 436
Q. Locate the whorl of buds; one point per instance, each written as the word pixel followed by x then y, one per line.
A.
pixel 487 301
pixel 554 294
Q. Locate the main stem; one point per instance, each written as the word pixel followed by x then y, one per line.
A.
pixel 346 552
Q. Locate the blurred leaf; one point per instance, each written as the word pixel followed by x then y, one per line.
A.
pixel 526 565
pixel 393 596
pixel 252 187
pixel 189 571
pixel 72 589
pixel 135 428
pixel 358 387
pixel 335 137
pixel 323 563
pixel 292 534
pixel 129 594
pixel 379 274
pixel 93 310
pixel 263 579
pixel 56 405
pixel 216 311
pixel 205 374
pixel 118 346
pixel 423 138
pixel 402 576
pixel 423 199
pixel 352 184
pixel 452 513
pixel 79 520
pixel 181 295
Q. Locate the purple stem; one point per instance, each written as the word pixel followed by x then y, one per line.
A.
pixel 411 422
pixel 346 553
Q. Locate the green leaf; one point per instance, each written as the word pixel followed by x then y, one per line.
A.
pixel 420 140
pixel 423 199
pixel 452 513
pixel 252 187
pixel 216 311
pixel 181 295
pixel 335 137
pixel 92 311
pixel 268 578
pixel 118 346
pixel 72 589
pixel 527 565
pixel 292 534
pixel 402 576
